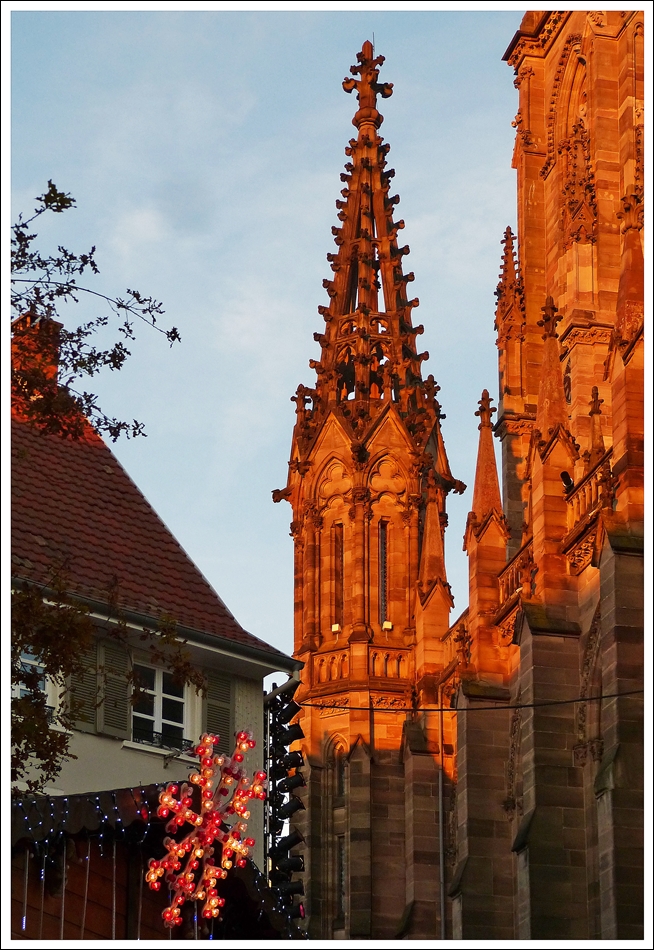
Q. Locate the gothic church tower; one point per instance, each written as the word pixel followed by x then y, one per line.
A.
pixel 368 481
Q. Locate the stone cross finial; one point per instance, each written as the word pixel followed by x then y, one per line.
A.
pixel 367 87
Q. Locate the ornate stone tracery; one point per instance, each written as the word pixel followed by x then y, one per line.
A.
pixel 579 212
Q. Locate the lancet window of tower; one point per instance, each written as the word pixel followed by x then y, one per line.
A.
pixel 338 575
pixel 383 572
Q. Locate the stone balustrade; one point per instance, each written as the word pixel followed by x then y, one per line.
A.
pixel 513 576
pixel 592 492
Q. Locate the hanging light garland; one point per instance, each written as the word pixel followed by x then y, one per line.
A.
pixel 226 791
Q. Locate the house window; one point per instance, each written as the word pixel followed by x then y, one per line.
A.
pixel 35 678
pixel 158 715
pixel 30 665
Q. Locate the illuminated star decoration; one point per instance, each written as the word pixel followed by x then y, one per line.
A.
pixel 226 790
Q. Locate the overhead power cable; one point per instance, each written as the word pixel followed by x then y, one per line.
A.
pixel 499 704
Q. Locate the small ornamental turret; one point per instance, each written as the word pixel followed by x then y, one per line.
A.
pixel 510 311
pixel 486 498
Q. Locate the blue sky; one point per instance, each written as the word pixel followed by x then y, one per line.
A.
pixel 204 151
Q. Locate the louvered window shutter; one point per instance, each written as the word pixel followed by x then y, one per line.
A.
pixel 114 713
pixel 218 709
pixel 84 692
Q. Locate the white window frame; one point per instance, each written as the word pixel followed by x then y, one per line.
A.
pixel 157 717
pixel 48 688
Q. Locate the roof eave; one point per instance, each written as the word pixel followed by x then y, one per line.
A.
pixel 273 659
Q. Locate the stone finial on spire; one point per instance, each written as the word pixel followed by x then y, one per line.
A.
pixel 595 403
pixel 485 411
pixel 367 87
pixel 596 451
pixel 551 317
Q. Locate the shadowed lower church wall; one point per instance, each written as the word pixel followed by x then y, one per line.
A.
pixel 483 891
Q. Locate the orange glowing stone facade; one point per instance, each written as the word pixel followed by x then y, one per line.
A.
pixel 368 482
pixel 482 779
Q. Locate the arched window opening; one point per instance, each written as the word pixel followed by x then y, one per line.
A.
pixel 353 286
pixel 339 772
pixel 379 359
pixel 345 370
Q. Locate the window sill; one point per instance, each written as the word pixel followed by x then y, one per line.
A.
pixel 157 750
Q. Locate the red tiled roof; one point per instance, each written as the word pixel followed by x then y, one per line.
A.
pixel 74 507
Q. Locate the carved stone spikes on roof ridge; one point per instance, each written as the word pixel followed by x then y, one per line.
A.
pixel 552 407
pixel 486 494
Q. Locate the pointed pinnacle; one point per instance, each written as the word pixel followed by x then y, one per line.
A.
pixel 509 270
pixel 486 493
